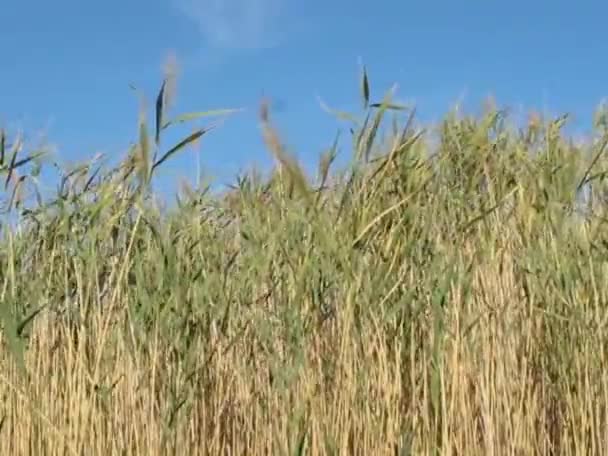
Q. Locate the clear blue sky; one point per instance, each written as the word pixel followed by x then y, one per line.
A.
pixel 67 65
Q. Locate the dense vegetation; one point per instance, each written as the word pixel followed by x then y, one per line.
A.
pixel 445 293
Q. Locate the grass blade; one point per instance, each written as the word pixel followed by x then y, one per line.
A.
pixel 365 88
pixel 160 101
pixel 2 146
pixel 198 115
pixel 190 139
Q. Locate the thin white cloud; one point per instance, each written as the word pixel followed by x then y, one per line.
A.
pixel 236 24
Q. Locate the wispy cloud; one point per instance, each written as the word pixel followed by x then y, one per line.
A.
pixel 236 24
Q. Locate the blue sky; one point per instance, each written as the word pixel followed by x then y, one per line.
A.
pixel 67 66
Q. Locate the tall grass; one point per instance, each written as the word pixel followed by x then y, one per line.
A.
pixel 427 299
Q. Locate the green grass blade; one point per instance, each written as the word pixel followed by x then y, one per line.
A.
pixel 160 102
pixel 199 115
pixel 182 144
pixel 365 88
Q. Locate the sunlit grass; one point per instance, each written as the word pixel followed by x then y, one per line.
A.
pixel 424 300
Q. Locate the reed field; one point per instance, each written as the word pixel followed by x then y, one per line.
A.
pixel 443 293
